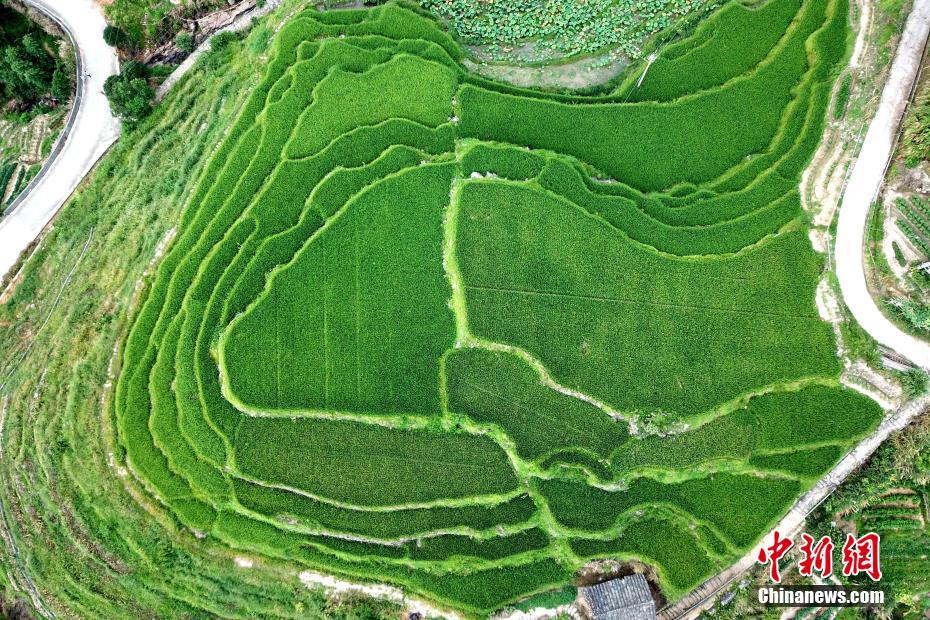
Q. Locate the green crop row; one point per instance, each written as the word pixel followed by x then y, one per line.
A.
pixel 811 463
pixel 913 236
pixel 738 506
pixel 291 383
pixel 533 270
pixel 738 39
pixel 359 319
pixel 674 549
pixel 657 139
pixel 913 215
pixel 779 420
pixel 369 465
pixel 475 590
pixel 921 205
pixel 199 294
pixel 873 512
pixel 384 525
pixel 502 389
pixel 882 523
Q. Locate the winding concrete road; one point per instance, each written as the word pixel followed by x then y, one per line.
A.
pixel 88 133
pixel 865 182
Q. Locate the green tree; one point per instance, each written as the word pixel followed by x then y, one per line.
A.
pixel 61 84
pixel 22 76
pixel 114 36
pixel 134 69
pixel 130 95
pixel 27 59
pixel 39 55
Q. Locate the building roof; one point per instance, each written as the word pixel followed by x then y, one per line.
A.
pixel 627 598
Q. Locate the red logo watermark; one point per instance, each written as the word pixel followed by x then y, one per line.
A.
pixel 859 555
pixel 773 553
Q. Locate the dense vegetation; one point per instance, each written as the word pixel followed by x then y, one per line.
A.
pixel 563 27
pixel 555 28
pixel 383 316
pixel 915 137
pixel 887 495
pixel 30 67
pixel 129 93
pixel 890 496
pixel 459 337
pixel 913 220
pixel 137 25
pixel 81 537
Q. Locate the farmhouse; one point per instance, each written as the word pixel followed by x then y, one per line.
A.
pixel 627 598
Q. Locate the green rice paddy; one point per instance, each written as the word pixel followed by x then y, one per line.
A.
pixel 422 328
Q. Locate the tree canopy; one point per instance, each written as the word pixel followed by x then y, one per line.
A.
pixel 28 62
pixel 129 93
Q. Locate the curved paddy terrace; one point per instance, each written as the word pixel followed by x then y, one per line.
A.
pixel 423 328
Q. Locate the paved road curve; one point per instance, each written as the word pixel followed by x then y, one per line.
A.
pixel 90 130
pixel 863 187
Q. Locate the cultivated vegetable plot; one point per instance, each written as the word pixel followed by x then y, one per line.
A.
pixel 901 518
pixel 424 328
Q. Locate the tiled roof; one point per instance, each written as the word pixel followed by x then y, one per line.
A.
pixel 627 598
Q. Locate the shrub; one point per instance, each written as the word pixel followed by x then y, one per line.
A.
pixel 898 254
pixel 114 36
pixel 222 40
pixel 134 69
pixel 185 42
pixel 914 312
pixel 915 138
pixel 842 97
pixel 914 382
pixel 221 48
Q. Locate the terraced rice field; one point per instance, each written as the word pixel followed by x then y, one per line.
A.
pixel 423 328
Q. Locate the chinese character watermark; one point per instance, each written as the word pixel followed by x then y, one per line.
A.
pixel 860 555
